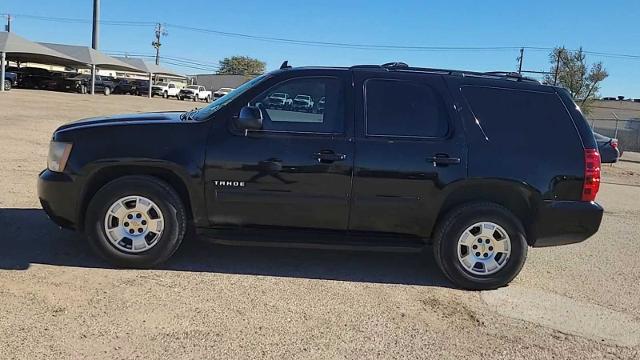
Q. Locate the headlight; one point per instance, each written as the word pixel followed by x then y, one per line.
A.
pixel 58 155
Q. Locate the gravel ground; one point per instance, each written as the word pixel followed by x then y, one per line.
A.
pixel 57 300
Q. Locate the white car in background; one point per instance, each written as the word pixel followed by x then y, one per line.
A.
pixel 222 92
pixel 302 103
pixel 165 89
pixel 195 93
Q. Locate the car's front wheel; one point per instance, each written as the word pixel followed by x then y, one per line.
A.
pixel 136 221
pixel 7 85
pixel 480 246
pixel 107 91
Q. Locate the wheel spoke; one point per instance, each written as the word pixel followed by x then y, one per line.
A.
pixel 500 246
pixel 488 230
pixel 156 225
pixel 138 243
pixel 118 210
pixel 467 238
pixel 491 265
pixel 143 205
pixel 469 261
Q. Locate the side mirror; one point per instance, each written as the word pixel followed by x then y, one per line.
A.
pixel 250 118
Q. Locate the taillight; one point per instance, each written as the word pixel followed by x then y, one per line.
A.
pixel 614 143
pixel 591 174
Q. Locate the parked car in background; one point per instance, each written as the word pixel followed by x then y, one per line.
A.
pixel 10 80
pixel 32 77
pixel 81 83
pixel 165 90
pixel 195 93
pixel 221 92
pixel 302 103
pixel 321 105
pixel 278 101
pixel 126 86
pixel 608 147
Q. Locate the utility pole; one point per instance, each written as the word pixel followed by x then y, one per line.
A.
pixel 520 60
pixel 160 32
pixel 96 24
pixel 8 27
pixel 94 41
pixel 557 72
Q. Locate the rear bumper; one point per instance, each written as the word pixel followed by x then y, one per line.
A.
pixel 565 222
pixel 58 197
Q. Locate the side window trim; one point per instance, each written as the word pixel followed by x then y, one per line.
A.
pixel 408 137
pixel 297 132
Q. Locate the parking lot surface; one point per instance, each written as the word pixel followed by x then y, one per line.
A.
pixel 58 300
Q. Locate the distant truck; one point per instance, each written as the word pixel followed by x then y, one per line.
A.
pixel 165 90
pixel 195 93
pixel 10 80
pixel 221 92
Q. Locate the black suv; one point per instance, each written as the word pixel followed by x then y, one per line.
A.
pixel 400 157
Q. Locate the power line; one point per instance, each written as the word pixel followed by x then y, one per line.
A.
pixel 378 47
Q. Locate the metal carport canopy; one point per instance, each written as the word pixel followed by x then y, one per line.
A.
pixel 17 48
pixel 149 68
pixel 91 57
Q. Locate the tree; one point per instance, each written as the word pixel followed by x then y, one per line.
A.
pixel 241 65
pixel 569 69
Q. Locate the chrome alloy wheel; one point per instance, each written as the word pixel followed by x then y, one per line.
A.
pixel 484 248
pixel 133 224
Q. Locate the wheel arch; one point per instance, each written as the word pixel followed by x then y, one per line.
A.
pixel 101 177
pixel 523 201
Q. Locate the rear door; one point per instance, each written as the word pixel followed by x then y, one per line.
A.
pixel 409 148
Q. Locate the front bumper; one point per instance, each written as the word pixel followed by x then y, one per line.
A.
pixel 188 95
pixel 565 222
pixel 58 197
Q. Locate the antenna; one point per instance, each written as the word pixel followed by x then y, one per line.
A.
pixel 285 65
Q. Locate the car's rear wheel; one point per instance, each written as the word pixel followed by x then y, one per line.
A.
pixel 480 246
pixel 208 99
pixel 136 221
pixel 165 95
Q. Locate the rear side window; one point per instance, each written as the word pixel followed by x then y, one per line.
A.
pixel 521 118
pixel 404 108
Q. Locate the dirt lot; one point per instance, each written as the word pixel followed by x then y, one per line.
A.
pixel 58 301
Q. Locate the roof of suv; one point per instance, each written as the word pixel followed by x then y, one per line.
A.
pixel 400 66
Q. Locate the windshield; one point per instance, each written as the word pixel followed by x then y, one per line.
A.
pixel 160 84
pixel 205 112
pixel 278 95
pixel 193 87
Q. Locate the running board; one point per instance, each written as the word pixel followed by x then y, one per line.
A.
pixel 312 240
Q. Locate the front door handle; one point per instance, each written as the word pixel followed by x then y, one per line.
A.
pixel 444 160
pixel 329 156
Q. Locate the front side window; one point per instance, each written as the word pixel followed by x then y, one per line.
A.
pixel 404 108
pixel 303 105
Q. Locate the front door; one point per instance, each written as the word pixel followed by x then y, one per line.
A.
pixel 294 172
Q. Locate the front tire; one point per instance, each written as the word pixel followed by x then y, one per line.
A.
pixel 480 246
pixel 7 85
pixel 136 221
pixel 107 91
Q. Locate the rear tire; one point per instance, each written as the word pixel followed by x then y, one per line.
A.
pixel 172 215
pixel 448 244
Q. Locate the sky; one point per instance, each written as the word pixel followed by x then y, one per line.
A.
pixel 610 26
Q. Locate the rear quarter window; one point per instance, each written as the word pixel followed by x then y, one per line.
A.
pixel 523 135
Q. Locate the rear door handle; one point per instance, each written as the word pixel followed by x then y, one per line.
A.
pixel 444 160
pixel 329 156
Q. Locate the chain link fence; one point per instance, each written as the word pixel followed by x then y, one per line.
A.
pixel 626 131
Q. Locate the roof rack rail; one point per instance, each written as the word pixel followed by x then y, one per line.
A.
pixel 401 66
